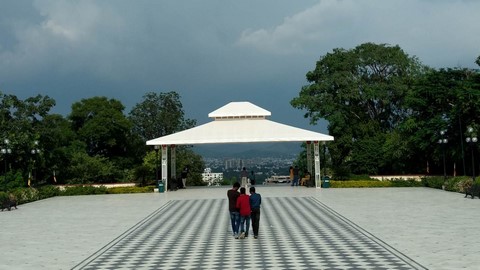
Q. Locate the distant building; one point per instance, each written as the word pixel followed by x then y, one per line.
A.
pixel 212 178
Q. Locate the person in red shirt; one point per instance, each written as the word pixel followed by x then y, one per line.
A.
pixel 243 203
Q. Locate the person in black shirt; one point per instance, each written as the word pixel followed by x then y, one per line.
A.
pixel 233 195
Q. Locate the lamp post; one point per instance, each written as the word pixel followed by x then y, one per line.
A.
pixel 5 151
pixel 471 139
pixel 157 148
pixel 443 141
pixel 34 152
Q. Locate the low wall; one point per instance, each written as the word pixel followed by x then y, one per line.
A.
pixel 403 177
pixel 108 185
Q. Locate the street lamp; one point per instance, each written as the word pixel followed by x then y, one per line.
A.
pixel 34 152
pixel 471 139
pixel 5 151
pixel 443 141
pixel 157 148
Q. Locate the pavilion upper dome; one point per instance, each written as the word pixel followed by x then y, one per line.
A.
pixel 243 109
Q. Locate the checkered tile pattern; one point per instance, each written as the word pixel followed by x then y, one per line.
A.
pixel 295 233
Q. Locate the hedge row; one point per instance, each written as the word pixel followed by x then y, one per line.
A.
pixel 26 195
pixel 374 184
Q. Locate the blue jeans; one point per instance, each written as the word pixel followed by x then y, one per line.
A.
pixel 235 220
pixel 295 180
pixel 244 220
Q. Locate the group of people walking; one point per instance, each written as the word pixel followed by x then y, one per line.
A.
pixel 244 208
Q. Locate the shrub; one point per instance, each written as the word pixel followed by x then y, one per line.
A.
pixel 433 182
pixel 341 173
pixel 26 195
pixel 357 177
pixel 195 179
pixel 143 176
pixel 375 183
pixel 359 184
pixel 86 169
pixel 122 190
pixel 48 192
pixel 3 197
pixel 83 190
pixel 405 183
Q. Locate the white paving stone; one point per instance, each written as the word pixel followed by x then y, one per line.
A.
pixel 435 228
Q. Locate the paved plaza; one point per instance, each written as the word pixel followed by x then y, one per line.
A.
pixel 300 228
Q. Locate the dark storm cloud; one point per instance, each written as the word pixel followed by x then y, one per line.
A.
pixel 212 52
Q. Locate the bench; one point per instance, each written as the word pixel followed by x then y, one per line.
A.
pixel 8 202
pixel 473 190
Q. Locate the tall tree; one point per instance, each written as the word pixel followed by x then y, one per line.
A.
pixel 101 124
pixel 360 92
pixel 159 114
pixel 20 122
pixel 444 99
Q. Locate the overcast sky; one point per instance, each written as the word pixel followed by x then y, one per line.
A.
pixel 213 51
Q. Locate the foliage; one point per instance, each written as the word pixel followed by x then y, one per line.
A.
pixel 187 158
pixel 86 169
pixel 374 184
pixel 357 177
pixel 83 190
pixel 341 172
pixel 445 99
pixel 3 197
pixel 101 124
pixel 48 191
pixel 405 183
pixel 385 110
pixel 159 115
pixel 359 184
pixel 20 122
pixel 12 180
pixel 228 181
pixel 26 195
pixel 123 190
pixel 433 182
pixel 143 176
pixel 360 92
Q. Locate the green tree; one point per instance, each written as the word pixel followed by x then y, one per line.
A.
pixel 59 142
pixel 20 122
pixel 444 99
pixel 360 92
pixel 101 124
pixel 86 169
pixel 159 114
pixel 184 157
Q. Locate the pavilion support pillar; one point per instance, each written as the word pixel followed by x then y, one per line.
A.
pixel 316 154
pixel 173 164
pixel 309 157
pixel 165 166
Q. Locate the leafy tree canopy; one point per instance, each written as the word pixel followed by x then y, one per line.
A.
pixel 101 124
pixel 159 114
pixel 361 93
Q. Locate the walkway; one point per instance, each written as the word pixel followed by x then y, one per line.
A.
pixel 301 228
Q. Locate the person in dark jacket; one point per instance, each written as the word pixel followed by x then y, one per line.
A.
pixel 255 202
pixel 232 195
